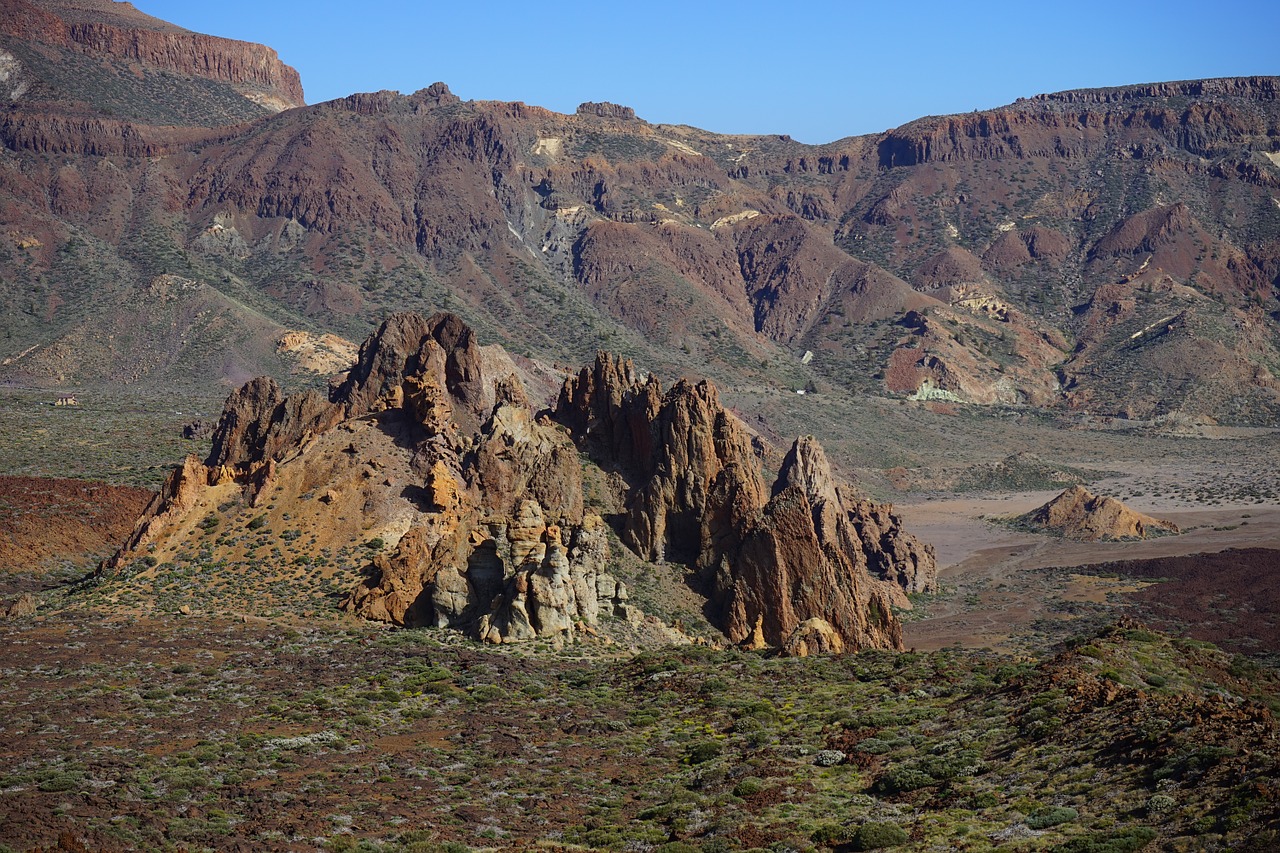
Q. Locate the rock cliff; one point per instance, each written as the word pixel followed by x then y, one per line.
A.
pixel 1079 123
pixel 109 31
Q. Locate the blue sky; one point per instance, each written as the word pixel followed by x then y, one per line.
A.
pixel 818 71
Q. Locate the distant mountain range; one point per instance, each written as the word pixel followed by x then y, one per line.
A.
pixel 169 210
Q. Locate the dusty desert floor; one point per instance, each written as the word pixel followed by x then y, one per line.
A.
pixel 999 585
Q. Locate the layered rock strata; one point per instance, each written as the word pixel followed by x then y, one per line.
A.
pixel 119 32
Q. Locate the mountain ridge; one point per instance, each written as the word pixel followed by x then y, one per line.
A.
pixel 1010 257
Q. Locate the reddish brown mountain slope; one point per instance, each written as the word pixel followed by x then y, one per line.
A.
pixel 44 522
pixel 1003 230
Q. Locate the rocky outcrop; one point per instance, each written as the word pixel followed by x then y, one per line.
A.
pixel 430 439
pixel 874 529
pixel 610 410
pixel 501 580
pixel 693 474
pixel 486 500
pixel 702 482
pixel 813 637
pixel 260 426
pixel 814 552
pixel 23 607
pixel 605 109
pixel 504 550
pixel 1077 513
pixel 1253 88
pixel 175 500
pixel 697 497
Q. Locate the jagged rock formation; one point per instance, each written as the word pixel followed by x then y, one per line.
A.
pixel 1077 513
pixel 802 557
pixel 696 496
pixel 476 507
pixel 494 541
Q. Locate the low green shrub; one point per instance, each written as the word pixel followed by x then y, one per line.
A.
pixel 877 836
pixel 903 779
pixel 1124 841
pixel 1051 816
pixel 831 834
pixel 702 751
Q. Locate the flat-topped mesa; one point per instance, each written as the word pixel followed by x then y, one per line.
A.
pixel 1257 88
pixel 604 109
pixel 697 497
pixel 1082 123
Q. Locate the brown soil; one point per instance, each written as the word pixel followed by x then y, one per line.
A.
pixel 176 698
pixel 47 523
pixel 1017 591
pixel 1230 598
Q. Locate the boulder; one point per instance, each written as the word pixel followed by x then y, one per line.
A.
pixel 813 636
pixel 23 607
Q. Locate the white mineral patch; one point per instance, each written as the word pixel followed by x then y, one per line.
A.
pixel 929 391
pixel 10 70
pixel 551 146
pixel 733 219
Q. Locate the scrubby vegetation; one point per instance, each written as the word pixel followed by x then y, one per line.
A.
pixel 199 733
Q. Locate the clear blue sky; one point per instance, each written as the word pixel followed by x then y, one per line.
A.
pixel 818 71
